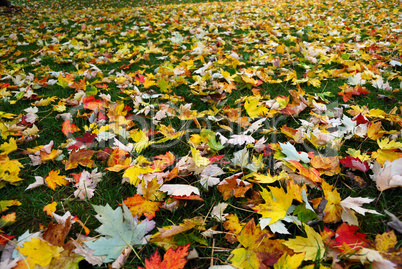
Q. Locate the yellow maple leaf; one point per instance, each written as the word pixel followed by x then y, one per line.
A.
pixel 312 245
pixel 383 155
pixel 374 131
pixel 198 159
pixel 132 173
pixel 226 75
pixel 54 179
pixel 253 109
pixel 288 262
pixel 357 154
pixel 387 144
pixel 9 170
pixel 169 133
pixel 50 208
pixel 141 139
pixel 385 242
pixel 267 179
pixel 280 49
pixel 5 204
pixel 11 146
pixel 38 252
pixel 277 203
pixel 315 82
pixel 332 209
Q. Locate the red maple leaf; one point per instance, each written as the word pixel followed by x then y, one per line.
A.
pixel 346 234
pixel 355 163
pixel 173 259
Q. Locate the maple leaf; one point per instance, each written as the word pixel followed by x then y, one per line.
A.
pixel 310 173
pixel 233 186
pixel 253 109
pixel 179 189
pixel 350 205
pixel 141 139
pixel 385 242
pixel 198 159
pixel 389 176
pixel 332 208
pixel 69 128
pixel 292 155
pixel 56 234
pixel 54 179
pixel 355 163
pixel 258 249
pixel 209 176
pixel 169 133
pixel 119 230
pixel 165 236
pixel 38 252
pixel 326 165
pixel 347 235
pixel 312 245
pixel 133 173
pixel 277 203
pixel 11 146
pixel 173 259
pixel 9 171
pixel 5 204
pixel 80 157
pixel 50 209
pixel 163 161
pixel 267 179
pixel 287 262
pixel 7 220
pixel 138 205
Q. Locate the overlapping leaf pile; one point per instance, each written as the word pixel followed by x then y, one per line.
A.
pixel 281 119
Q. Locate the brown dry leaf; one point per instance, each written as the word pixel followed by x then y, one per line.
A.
pixel 233 186
pixel 80 157
pixel 326 165
pixel 56 234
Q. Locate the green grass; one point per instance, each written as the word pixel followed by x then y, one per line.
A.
pixel 70 36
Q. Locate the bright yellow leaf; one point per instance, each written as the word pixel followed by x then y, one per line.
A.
pixel 289 262
pixel 50 209
pixel 312 245
pixel 277 203
pixel 253 109
pixel 198 159
pixel 332 209
pixel 132 173
pixel 38 252
pixel 141 139
pixel 11 146
pixel 54 179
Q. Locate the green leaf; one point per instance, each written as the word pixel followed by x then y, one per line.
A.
pixel 304 214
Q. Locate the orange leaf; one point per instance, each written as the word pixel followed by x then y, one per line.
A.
pixel 69 128
pixel 173 259
pixel 310 173
pixel 163 161
pixel 82 157
pixel 232 186
pixel 54 179
pixel 50 208
pixel 138 205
